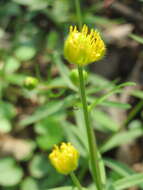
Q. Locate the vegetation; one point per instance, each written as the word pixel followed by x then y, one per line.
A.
pixel 42 95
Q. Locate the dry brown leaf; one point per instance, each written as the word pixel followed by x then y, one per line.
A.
pixel 19 148
pixel 118 32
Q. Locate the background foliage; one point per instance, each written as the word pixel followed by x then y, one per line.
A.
pixel 32 34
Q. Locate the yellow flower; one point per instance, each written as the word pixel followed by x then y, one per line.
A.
pixel 64 158
pixel 83 47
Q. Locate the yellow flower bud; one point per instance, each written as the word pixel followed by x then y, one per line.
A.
pixel 30 83
pixel 64 158
pixel 83 47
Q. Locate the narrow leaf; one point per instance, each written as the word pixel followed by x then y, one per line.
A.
pixel 116 89
pixel 136 38
pixel 121 138
pixel 64 71
pixel 129 181
pixel 118 167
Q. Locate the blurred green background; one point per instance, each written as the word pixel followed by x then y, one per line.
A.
pixel 32 34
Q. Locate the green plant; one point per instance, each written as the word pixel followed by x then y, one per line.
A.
pixel 82 48
pixel 33 120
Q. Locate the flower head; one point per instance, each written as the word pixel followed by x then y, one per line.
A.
pixel 64 158
pixel 83 47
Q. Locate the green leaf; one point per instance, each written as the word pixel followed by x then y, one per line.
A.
pixel 66 188
pixel 60 11
pixel 135 124
pixel 137 93
pixel 118 105
pixel 15 78
pixel 109 186
pixel 100 84
pixel 10 188
pixel 116 89
pixel 39 166
pixel 102 169
pixel 46 142
pixel 29 183
pixel 11 65
pixel 43 127
pixel 42 112
pixel 102 119
pixel 72 135
pixel 5 125
pixel 78 129
pixel 62 188
pixel 92 187
pixel 9 9
pixel 46 110
pixel 10 173
pixel 64 71
pixel 33 4
pixel 136 38
pixel 25 53
pixel 52 40
pixel 122 169
pixel 49 135
pixel 130 181
pixel 99 81
pixel 7 110
pixel 56 83
pixel 121 138
pixel 52 179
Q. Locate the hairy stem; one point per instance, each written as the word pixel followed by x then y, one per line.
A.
pixel 75 181
pixel 93 153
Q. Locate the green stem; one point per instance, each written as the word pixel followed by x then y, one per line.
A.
pixel 3 77
pixel 133 112
pixel 37 70
pixel 75 181
pixel 93 151
pixel 78 12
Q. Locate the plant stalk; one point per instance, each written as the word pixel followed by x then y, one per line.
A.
pixel 134 112
pixel 78 12
pixel 93 153
pixel 75 181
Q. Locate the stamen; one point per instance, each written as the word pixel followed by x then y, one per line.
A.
pixel 71 29
pixel 84 29
pixel 75 29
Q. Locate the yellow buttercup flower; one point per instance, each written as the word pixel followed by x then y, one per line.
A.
pixel 64 158
pixel 83 47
